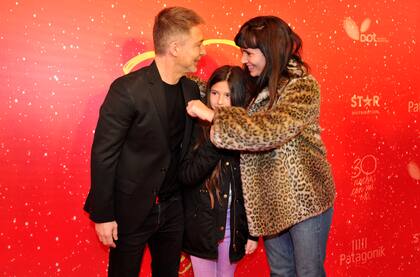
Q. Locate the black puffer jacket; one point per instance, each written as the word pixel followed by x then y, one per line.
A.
pixel 204 226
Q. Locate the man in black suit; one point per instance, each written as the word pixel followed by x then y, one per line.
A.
pixel 142 134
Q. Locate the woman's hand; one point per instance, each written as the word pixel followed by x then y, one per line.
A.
pixel 250 246
pixel 196 108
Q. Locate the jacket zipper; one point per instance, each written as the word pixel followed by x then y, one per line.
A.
pixel 233 205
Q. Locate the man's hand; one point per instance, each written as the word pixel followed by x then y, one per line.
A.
pixel 196 108
pixel 107 233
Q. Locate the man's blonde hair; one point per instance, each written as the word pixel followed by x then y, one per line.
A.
pixel 173 21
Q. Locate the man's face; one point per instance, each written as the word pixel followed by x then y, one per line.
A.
pixel 190 50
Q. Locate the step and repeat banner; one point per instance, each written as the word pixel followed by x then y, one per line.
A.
pixel 58 58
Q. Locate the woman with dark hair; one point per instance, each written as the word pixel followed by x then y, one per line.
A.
pixel 287 182
pixel 216 229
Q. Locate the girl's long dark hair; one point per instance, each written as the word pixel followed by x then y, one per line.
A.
pixel 238 83
pixel 278 42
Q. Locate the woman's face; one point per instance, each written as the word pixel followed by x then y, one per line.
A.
pixel 254 59
pixel 220 95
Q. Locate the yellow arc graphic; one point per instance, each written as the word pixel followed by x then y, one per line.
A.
pixel 151 54
pixel 186 268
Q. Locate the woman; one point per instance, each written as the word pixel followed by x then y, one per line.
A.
pixel 216 229
pixel 288 187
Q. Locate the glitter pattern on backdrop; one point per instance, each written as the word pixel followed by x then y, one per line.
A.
pixel 58 59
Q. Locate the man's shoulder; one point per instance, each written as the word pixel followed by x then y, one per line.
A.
pixel 194 80
pixel 196 83
pixel 132 78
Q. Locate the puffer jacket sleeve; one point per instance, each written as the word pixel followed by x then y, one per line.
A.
pixel 296 108
pixel 199 162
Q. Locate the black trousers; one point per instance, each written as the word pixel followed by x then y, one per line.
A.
pixel 162 231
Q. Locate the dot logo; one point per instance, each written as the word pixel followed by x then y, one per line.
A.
pixel 361 33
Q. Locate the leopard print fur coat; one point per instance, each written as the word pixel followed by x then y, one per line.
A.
pixel 286 176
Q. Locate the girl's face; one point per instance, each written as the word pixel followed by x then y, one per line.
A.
pixel 254 59
pixel 220 95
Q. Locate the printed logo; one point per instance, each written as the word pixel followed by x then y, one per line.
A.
pixel 363 176
pixel 360 33
pixel 413 107
pixel 360 253
pixel 365 104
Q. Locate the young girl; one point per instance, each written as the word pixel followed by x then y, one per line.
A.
pixel 288 186
pixel 216 230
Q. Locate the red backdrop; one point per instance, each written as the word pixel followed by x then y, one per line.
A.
pixel 58 58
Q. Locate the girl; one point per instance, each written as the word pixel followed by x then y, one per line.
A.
pixel 216 230
pixel 288 187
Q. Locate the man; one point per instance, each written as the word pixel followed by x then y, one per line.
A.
pixel 142 134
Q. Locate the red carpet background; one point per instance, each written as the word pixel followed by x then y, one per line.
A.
pixel 58 58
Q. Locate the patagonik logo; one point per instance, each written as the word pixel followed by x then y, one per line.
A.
pixel 361 33
pixel 361 253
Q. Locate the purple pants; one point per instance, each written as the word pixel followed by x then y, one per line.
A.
pixel 220 267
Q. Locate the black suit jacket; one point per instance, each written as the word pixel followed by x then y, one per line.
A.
pixel 130 151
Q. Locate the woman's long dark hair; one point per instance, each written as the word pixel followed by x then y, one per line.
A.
pixel 278 42
pixel 238 85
